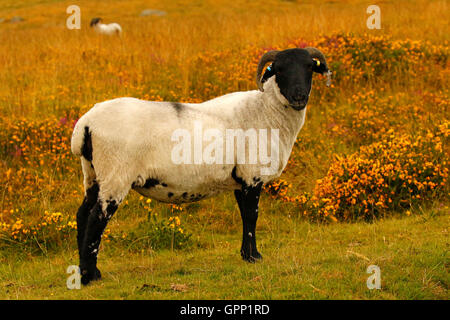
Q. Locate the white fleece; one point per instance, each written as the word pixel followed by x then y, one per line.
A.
pixel 131 142
pixel 108 29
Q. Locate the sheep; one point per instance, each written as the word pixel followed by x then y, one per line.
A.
pixel 108 29
pixel 127 143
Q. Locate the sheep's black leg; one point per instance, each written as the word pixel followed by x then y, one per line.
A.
pixel 248 199
pixel 89 202
pixel 96 224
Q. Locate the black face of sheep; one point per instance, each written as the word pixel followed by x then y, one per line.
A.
pixel 94 21
pixel 293 70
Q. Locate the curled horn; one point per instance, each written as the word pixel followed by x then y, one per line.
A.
pixel 316 53
pixel 266 58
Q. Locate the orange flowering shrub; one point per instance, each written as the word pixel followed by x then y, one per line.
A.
pixel 35 154
pixel 277 189
pixel 52 230
pixel 35 144
pixel 393 174
pixel 378 58
pixel 371 116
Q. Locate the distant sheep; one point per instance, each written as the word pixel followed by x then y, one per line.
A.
pixel 125 144
pixel 108 29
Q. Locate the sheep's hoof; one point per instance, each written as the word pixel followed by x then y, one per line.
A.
pixel 90 275
pixel 257 256
pixel 252 258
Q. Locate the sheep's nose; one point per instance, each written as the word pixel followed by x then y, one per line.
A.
pixel 300 97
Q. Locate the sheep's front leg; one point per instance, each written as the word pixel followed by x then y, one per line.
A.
pixel 248 199
pixel 96 224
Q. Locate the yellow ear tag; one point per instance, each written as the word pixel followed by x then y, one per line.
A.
pixel 317 61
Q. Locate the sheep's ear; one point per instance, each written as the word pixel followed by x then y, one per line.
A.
pixel 268 73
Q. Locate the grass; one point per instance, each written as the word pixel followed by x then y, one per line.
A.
pixel 302 260
pixel 199 50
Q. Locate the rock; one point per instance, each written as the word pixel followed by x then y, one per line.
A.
pixel 151 12
pixel 16 19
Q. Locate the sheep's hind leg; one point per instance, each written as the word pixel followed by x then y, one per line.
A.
pixel 95 225
pixel 89 201
pixel 248 199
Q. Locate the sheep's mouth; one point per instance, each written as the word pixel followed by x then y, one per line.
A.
pixel 298 106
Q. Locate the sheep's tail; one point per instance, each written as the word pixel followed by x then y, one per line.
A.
pixel 81 144
pixel 119 30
